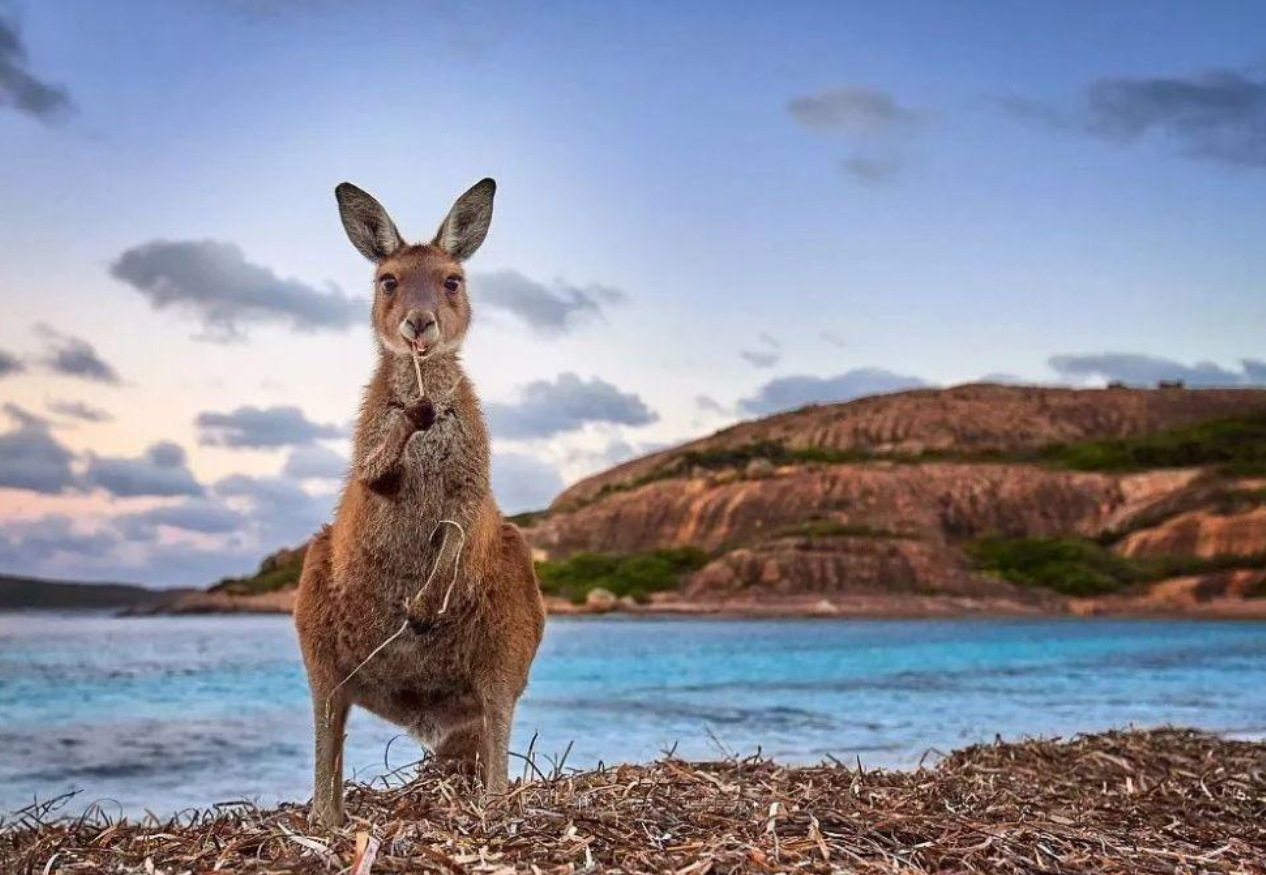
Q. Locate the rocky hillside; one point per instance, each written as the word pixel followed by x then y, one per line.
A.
pixel 976 497
pixel 999 499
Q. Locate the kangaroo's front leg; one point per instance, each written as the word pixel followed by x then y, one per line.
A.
pixel 382 470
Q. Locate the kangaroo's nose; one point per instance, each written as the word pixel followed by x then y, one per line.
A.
pixel 419 325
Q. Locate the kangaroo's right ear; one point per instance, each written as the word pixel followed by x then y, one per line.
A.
pixel 367 224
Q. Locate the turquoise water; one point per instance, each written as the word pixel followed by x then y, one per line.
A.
pixel 167 713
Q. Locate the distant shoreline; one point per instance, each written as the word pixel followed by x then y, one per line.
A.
pixel 856 607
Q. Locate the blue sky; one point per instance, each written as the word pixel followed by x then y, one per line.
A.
pixel 705 212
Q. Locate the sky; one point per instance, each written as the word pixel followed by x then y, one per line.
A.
pixel 705 212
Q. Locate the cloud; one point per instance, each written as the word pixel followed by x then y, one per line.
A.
pixel 523 482
pixel 74 357
pixel 199 515
pixel 553 309
pixel 834 338
pixel 763 358
pixel 708 404
pixel 1147 370
pixel 213 283
pixel 161 470
pixel 547 408
pixel 281 512
pixel 1217 116
pixel 786 393
pixel 79 410
pixel 1002 377
pixel 26 545
pixel 877 127
pixel 261 427
pixel 315 462
pixel 10 364
pixel 20 88
pixel 855 110
pixel 873 170
pixel 31 458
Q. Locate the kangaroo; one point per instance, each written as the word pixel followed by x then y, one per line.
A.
pixel 419 603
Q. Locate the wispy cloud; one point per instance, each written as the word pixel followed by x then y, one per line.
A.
pixel 74 357
pixel 250 427
pixel 876 126
pixel 766 357
pixel 213 283
pixel 524 482
pixel 708 404
pixel 10 364
pixel 1217 116
pixel 564 404
pixel 20 88
pixel 205 516
pixel 1147 370
pixel 80 411
pixel 314 462
pixel 786 393
pixel 553 308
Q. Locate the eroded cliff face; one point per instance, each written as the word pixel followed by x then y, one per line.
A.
pixel 877 528
pixel 971 419
pixel 895 529
pixel 924 501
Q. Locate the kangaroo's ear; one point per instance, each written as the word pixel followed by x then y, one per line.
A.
pixel 367 224
pixel 467 223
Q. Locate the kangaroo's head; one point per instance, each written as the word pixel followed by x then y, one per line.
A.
pixel 420 300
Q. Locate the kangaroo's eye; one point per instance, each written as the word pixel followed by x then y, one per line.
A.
pixel 453 283
pixel 388 284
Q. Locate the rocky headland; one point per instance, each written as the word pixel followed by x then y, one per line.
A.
pixel 980 498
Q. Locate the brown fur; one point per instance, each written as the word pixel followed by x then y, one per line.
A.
pixel 452 680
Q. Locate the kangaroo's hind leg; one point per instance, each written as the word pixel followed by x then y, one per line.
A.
pixel 330 702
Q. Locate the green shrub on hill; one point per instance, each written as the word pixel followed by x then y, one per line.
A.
pixel 636 575
pixel 279 571
pixel 1078 566
pixel 1071 565
pixel 1236 444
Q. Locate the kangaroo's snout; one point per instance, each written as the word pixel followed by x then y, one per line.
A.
pixel 420 327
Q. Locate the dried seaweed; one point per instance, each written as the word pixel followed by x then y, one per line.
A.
pixel 1161 801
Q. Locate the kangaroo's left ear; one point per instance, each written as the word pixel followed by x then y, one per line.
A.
pixel 467 223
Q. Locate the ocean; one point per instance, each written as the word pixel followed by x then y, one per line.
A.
pixel 170 713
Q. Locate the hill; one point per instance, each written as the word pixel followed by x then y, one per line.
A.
pixel 976 498
pixel 33 593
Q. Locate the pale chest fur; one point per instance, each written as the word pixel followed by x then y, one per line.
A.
pixel 443 476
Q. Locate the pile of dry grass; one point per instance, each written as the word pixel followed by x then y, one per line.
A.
pixel 1163 801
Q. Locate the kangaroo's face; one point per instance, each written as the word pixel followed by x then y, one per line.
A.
pixel 420 300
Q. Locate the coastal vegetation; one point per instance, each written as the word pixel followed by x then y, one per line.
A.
pixel 636 575
pixel 1234 444
pixel 1077 566
pixel 278 571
